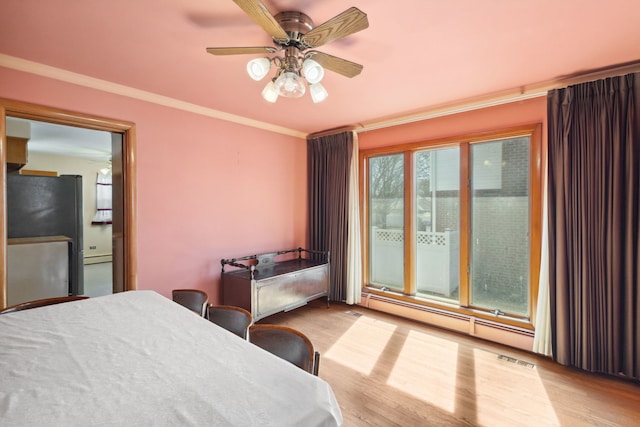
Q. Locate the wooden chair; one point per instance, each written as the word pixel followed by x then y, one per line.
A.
pixel 233 319
pixel 41 303
pixel 287 343
pixel 194 299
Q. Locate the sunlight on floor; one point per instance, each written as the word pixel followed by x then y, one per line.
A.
pixel 473 384
pixel 426 369
pixel 360 347
pixel 478 386
pixel 521 384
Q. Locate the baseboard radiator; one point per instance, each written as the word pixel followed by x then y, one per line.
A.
pixel 481 328
pixel 97 259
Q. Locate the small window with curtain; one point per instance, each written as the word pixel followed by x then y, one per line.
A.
pixel 103 198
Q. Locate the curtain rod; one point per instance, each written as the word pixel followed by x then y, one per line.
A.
pixel 332 131
pixel 523 93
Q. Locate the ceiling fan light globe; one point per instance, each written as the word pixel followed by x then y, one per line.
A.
pixel 313 71
pixel 318 92
pixel 290 85
pixel 258 68
pixel 270 92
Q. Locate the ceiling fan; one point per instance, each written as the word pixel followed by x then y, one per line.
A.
pixel 294 34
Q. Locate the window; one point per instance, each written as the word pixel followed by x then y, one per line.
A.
pixel 499 234
pixel 104 202
pixel 456 223
pixel 437 213
pixel 386 253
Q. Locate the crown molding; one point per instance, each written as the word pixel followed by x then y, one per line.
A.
pixel 522 93
pixel 48 71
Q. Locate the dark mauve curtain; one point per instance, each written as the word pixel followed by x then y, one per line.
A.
pixel 594 225
pixel 328 162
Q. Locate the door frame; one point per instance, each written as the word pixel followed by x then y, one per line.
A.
pixel 126 238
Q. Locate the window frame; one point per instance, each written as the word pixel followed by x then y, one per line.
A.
pixel 464 142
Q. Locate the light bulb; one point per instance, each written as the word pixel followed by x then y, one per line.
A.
pixel 270 92
pixel 318 92
pixel 290 85
pixel 313 71
pixel 258 68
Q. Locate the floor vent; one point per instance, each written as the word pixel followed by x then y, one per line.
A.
pixel 353 313
pixel 516 361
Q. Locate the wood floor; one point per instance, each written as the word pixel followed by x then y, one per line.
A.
pixel 389 371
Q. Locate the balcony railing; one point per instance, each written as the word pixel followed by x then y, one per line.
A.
pixel 437 255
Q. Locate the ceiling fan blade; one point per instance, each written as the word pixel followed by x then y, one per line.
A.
pixel 241 50
pixel 259 13
pixel 335 64
pixel 348 22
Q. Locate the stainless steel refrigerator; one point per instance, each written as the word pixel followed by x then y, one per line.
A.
pixel 39 206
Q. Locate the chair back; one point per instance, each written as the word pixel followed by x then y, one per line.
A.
pixel 194 299
pixel 231 318
pixel 41 303
pixel 287 343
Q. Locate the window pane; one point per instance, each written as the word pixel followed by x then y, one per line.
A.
pixel 386 221
pixel 500 225
pixel 437 189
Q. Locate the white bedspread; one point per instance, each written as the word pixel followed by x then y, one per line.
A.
pixel 139 359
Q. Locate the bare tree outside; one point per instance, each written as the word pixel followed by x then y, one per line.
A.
pixel 386 187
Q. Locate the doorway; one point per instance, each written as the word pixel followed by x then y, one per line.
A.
pixel 117 152
pixel 54 151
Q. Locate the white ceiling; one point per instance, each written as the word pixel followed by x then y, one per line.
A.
pixel 56 139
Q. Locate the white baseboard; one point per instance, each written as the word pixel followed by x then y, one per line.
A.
pixel 492 331
pixel 97 259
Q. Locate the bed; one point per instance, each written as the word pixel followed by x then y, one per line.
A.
pixel 138 358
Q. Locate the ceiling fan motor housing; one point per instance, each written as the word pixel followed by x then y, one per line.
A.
pixel 295 24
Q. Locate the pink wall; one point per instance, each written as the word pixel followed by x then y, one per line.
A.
pixel 207 189
pixel 486 119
